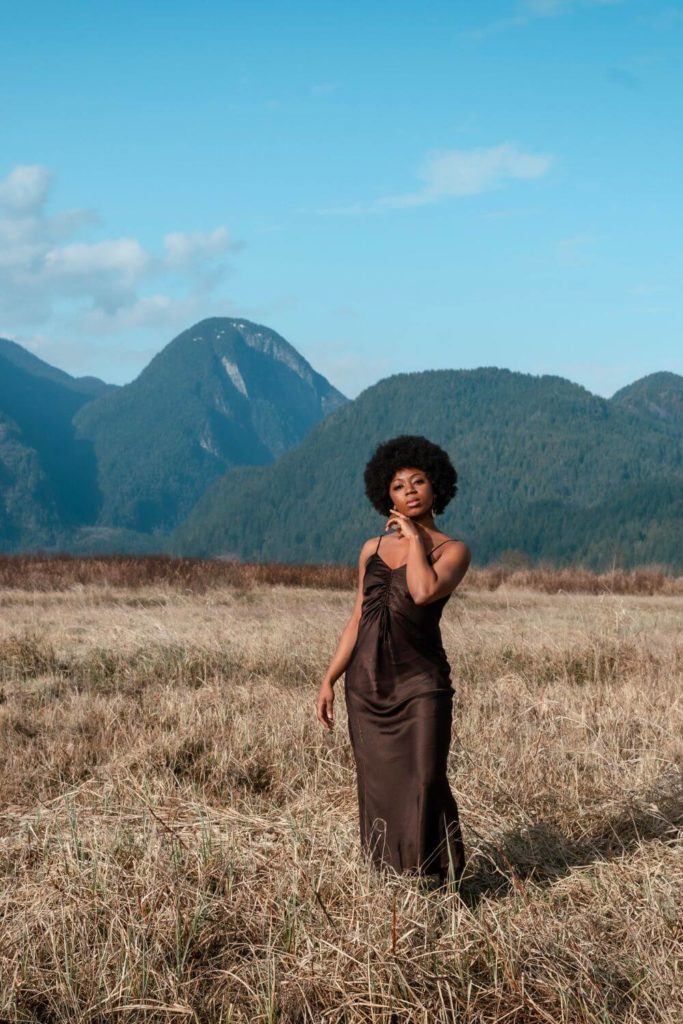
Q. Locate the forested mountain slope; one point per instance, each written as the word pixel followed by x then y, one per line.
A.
pixel 540 461
pixel 224 393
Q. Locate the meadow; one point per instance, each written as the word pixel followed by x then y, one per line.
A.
pixel 179 836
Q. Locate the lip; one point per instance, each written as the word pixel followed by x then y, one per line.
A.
pixel 413 504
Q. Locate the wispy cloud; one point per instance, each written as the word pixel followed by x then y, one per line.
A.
pixel 655 299
pixel 512 212
pixel 548 8
pixel 183 250
pixel 349 369
pixel 99 284
pixel 322 88
pixel 653 289
pixel 459 172
pixel 78 355
pixel 527 11
pixel 576 250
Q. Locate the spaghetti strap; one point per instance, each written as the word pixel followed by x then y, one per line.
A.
pixel 439 545
pixel 430 553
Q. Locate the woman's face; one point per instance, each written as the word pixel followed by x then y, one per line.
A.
pixel 411 492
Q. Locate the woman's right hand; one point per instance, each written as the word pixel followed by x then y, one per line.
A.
pixel 324 707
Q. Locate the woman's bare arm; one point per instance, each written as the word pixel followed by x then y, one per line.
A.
pixel 429 581
pixel 349 634
pixel 342 655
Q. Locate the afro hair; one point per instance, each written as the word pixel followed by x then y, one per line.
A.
pixel 401 452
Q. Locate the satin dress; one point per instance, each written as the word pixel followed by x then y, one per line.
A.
pixel 399 701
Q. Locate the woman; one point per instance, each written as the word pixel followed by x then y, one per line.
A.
pixel 398 689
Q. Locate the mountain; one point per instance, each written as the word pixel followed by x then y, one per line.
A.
pixel 541 461
pixel 229 439
pixel 47 475
pixel 11 352
pixel 225 393
pixel 657 398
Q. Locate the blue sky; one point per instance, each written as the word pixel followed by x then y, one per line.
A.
pixel 392 187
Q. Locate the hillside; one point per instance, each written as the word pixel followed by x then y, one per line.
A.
pixel 634 525
pixel 533 453
pixel 657 397
pixel 224 393
pixel 47 475
pixel 17 355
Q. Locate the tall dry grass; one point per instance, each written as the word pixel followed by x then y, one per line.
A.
pixel 196 575
pixel 179 838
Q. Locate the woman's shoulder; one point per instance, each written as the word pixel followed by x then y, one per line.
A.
pixel 372 542
pixel 368 547
pixel 443 540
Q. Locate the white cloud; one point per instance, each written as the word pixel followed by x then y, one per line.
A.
pixel 155 310
pixel 461 172
pixel 183 250
pixel 124 257
pixel 25 189
pixel 49 276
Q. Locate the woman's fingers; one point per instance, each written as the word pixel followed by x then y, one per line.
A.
pixel 324 711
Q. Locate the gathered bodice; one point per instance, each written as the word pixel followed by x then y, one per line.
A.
pixel 386 594
pixel 394 633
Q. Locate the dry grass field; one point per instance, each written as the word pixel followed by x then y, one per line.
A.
pixel 179 837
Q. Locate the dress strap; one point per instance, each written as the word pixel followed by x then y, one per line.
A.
pixel 439 545
pixel 430 553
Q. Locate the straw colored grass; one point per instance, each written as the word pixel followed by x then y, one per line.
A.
pixel 179 838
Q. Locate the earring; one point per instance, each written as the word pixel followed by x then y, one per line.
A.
pixel 433 510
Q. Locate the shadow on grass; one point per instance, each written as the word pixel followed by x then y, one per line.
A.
pixel 541 852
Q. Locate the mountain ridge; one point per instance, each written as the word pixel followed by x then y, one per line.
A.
pixel 230 443
pixel 223 393
pixel 24 359
pixel 657 394
pixel 516 439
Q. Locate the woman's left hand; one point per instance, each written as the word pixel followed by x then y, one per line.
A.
pixel 405 527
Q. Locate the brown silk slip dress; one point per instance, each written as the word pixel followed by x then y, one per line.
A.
pixel 399 701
